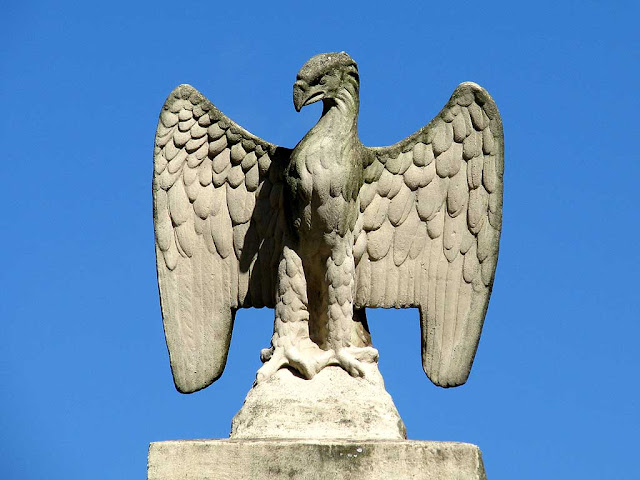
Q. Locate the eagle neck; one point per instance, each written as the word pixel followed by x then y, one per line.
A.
pixel 339 116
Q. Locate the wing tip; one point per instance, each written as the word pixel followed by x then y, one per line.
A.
pixel 450 365
pixel 447 379
pixel 191 382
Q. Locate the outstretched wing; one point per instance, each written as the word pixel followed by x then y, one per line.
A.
pixel 429 229
pixel 217 193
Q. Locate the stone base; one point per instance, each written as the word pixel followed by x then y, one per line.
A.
pixel 314 459
pixel 332 405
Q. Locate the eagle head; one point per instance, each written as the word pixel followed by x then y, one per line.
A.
pixel 325 77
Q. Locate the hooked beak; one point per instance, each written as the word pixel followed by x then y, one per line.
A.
pixel 304 95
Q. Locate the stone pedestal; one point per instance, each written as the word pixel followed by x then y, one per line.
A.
pixel 333 426
pixel 235 459
pixel 332 405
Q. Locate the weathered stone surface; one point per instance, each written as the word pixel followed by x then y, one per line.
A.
pixel 314 460
pixel 321 232
pixel 332 405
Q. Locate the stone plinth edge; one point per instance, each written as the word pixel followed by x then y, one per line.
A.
pixel 310 460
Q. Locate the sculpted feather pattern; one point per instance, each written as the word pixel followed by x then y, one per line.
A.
pixel 431 219
pixel 216 195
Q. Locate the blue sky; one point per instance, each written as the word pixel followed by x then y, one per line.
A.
pixel 84 370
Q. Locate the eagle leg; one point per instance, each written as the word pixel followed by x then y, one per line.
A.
pixel 341 326
pixel 291 345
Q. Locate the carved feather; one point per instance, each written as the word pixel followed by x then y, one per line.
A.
pixel 445 224
pixel 195 232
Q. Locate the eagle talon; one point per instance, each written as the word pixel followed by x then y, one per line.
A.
pixel 353 358
pixel 266 354
pixel 276 361
pixel 307 361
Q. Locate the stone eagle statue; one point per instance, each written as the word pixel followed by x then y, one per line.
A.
pixel 323 231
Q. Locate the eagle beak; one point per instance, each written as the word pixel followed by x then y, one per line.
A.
pixel 304 95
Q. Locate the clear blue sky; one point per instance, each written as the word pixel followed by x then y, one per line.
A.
pixel 84 371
